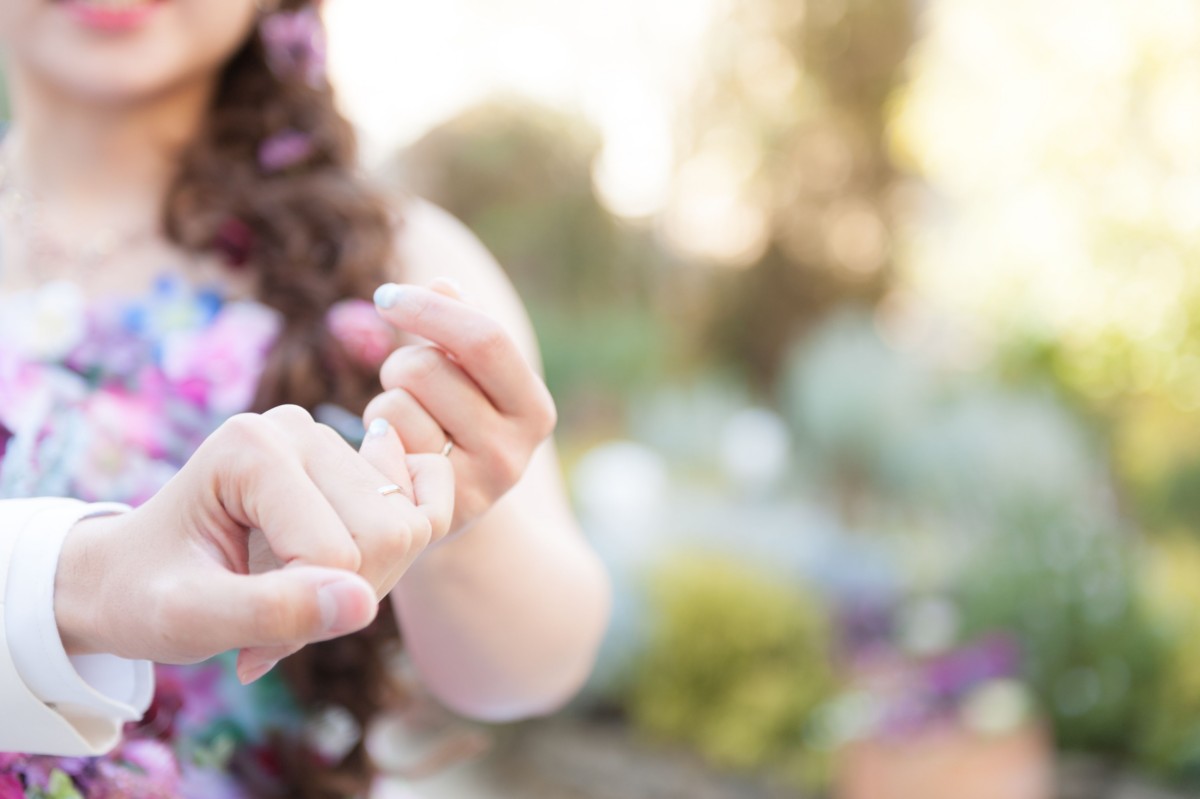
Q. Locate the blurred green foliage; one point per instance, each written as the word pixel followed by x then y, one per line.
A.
pixel 1170 732
pixel 737 665
pixel 1072 597
pixel 994 455
pixel 519 175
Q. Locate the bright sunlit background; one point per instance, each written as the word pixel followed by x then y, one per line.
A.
pixel 873 324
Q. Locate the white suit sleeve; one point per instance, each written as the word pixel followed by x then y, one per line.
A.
pixel 50 703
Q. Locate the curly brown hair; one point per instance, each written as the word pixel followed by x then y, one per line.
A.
pixel 313 234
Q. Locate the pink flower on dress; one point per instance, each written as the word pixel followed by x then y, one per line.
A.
pixel 364 336
pixel 187 699
pixel 10 787
pixel 117 781
pixel 219 368
pixel 154 758
pixel 130 418
pixel 127 454
pixel 31 391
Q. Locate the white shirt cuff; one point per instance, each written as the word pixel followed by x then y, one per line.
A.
pixel 102 686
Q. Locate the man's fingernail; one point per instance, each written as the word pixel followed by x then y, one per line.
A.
pixel 378 428
pixel 336 601
pixel 387 295
pixel 253 672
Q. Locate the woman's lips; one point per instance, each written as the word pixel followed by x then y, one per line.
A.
pixel 111 15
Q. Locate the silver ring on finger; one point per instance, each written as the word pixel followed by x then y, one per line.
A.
pixel 389 489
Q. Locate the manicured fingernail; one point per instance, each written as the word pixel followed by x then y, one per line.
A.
pixel 253 672
pixel 378 428
pixel 387 295
pixel 337 601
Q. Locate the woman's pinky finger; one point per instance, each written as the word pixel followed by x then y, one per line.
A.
pixel 384 450
pixel 433 490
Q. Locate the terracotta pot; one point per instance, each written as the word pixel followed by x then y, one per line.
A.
pixel 948 763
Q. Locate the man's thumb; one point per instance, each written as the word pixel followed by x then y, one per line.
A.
pixel 294 605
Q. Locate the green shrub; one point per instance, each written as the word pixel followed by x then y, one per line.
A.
pixel 736 666
pixel 1070 593
pixel 1170 743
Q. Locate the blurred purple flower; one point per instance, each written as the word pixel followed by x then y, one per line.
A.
pixel 295 45
pixel 5 436
pixel 990 658
pixel 284 150
pixel 108 348
pixel 201 783
pixel 121 782
pixel 907 715
pixel 864 627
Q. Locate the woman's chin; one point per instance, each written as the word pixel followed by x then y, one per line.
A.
pixel 121 51
pixel 110 81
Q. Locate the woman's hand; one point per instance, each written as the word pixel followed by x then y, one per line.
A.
pixel 179 579
pixel 470 385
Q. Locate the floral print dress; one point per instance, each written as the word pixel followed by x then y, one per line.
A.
pixel 104 401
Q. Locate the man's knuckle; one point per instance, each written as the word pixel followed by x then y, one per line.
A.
pixel 420 532
pixel 382 538
pixel 439 521
pixel 330 437
pixel 251 434
pixel 289 415
pixel 345 556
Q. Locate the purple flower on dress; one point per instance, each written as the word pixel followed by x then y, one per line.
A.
pixel 284 150
pixel 295 45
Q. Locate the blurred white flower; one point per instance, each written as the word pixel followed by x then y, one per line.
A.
pixel 928 626
pixel 46 323
pixel 756 449
pixel 621 485
pixel 997 707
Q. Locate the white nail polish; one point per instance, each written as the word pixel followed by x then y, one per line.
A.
pixel 388 295
pixel 378 428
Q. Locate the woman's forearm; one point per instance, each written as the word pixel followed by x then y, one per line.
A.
pixel 504 621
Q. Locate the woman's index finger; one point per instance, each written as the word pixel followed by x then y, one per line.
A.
pixel 480 344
